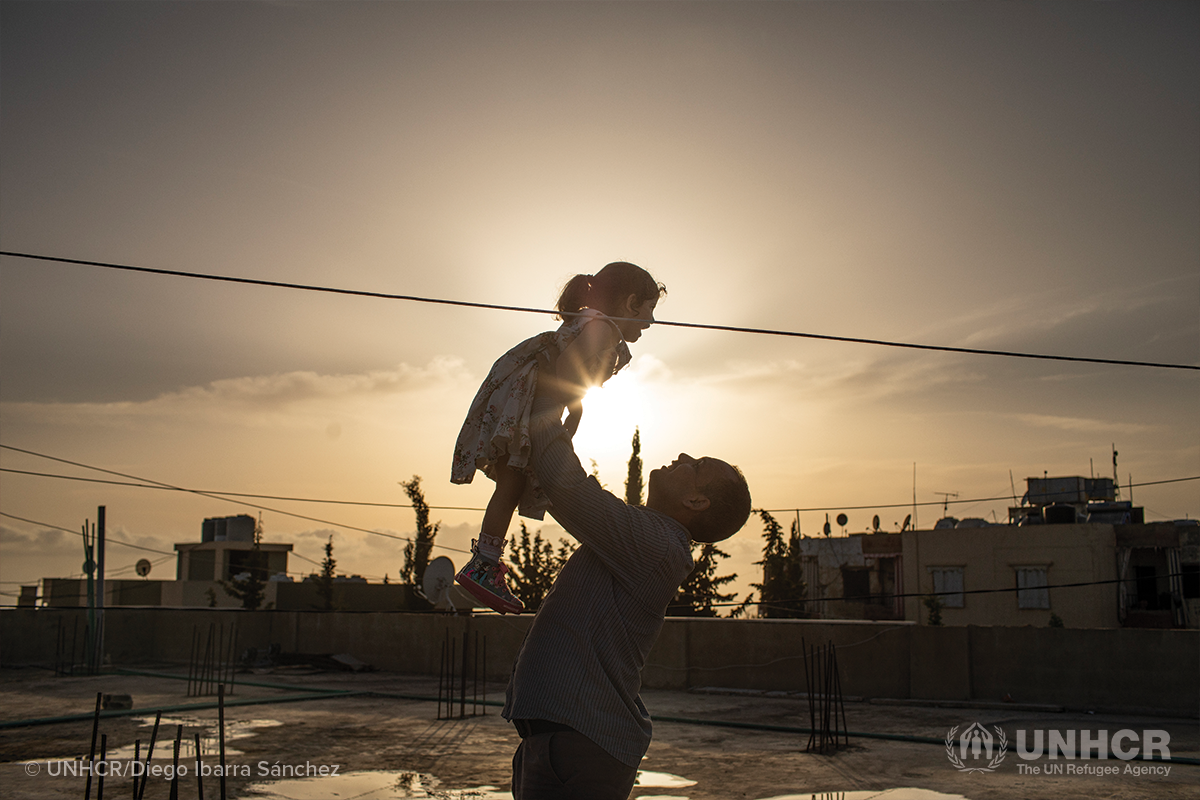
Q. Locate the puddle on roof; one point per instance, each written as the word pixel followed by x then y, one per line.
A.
pixel 385 785
pixel 369 785
pixel 661 780
pixel 210 741
pixel 906 793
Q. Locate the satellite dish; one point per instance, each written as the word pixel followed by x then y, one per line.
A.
pixel 437 582
pixel 842 519
pixel 907 520
pixel 142 567
pixel 89 566
pixel 875 522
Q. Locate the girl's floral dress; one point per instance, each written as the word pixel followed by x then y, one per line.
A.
pixel 498 421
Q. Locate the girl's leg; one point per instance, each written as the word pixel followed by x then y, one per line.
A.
pixel 483 575
pixel 510 484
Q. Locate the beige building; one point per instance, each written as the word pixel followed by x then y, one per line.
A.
pixel 1087 574
pixel 859 576
pixel 975 571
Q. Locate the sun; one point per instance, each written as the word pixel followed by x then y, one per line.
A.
pixel 610 415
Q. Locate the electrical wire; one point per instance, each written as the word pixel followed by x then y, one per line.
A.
pixel 231 494
pixel 215 496
pixel 523 309
pixel 108 539
pixel 472 508
pixel 781 604
pixel 789 603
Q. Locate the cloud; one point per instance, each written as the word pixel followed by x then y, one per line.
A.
pixel 292 397
pixel 1104 317
pixel 1082 424
pixel 16 541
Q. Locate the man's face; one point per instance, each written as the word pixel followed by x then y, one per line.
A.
pixel 684 478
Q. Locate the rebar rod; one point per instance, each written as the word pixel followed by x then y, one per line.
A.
pixel 175 764
pixel 462 690
pixel 103 756
pixel 221 718
pixel 87 791
pixel 149 754
pixel 199 771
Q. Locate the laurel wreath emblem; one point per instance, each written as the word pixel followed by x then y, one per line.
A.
pixel 952 740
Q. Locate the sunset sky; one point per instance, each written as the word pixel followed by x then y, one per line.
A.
pixel 1008 176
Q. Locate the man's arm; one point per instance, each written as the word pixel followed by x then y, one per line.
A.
pixel 623 537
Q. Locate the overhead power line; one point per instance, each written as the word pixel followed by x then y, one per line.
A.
pixel 367 504
pixel 107 538
pixel 790 602
pixel 948 501
pixel 234 494
pixel 216 496
pixel 524 309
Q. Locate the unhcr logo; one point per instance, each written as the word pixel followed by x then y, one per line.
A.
pixel 976 749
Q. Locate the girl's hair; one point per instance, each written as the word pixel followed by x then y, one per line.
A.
pixel 608 288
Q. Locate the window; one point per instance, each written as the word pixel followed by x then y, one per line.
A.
pixel 1031 588
pixel 856 584
pixel 948 585
pixel 1191 580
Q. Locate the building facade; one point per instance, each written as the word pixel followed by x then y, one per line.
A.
pixel 1078 574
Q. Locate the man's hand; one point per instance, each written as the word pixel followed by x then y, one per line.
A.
pixel 574 415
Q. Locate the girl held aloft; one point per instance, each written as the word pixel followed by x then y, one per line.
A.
pixel 601 314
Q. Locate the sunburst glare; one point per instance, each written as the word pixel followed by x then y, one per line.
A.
pixel 610 415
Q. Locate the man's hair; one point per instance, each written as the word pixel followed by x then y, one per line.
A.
pixel 728 510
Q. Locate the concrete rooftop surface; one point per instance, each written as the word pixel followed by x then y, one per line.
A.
pixel 390 744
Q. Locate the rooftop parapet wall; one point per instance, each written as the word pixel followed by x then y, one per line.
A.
pixel 1110 669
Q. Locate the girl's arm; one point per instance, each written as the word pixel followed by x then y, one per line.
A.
pixel 587 361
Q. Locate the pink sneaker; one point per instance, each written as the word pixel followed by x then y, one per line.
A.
pixel 485 581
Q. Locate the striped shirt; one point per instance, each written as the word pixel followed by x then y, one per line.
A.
pixel 581 662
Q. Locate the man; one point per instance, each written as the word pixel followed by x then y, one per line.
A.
pixel 573 695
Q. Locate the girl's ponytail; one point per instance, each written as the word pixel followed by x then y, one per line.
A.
pixel 574 295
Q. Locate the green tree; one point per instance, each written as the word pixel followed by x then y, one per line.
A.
pixel 633 480
pixel 251 589
pixel 934 605
pixel 325 582
pixel 533 566
pixel 782 591
pixel 700 593
pixel 417 551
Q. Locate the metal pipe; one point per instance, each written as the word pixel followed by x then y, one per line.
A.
pixel 221 719
pixel 175 764
pixel 87 792
pixel 149 755
pixel 199 772
pixel 103 756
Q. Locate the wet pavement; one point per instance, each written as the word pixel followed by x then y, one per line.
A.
pixel 389 745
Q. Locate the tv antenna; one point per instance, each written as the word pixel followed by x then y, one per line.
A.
pixel 946 501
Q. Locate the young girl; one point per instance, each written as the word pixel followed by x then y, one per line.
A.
pixel 591 348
